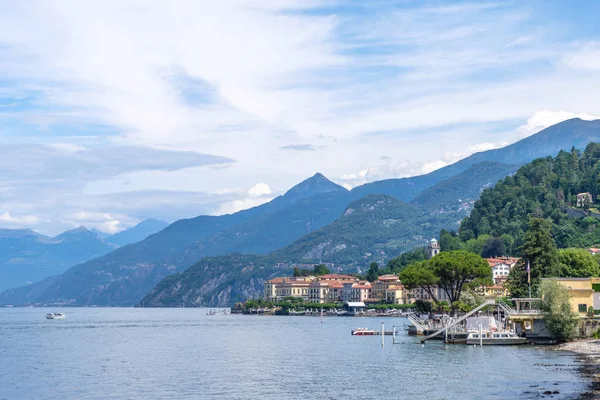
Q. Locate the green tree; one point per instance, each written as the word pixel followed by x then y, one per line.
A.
pixel 454 269
pixel 373 272
pixel 395 265
pixel 540 251
pixel 420 275
pixel 450 241
pixel 320 269
pixel 578 263
pixel 556 308
pixel 493 247
pixel 297 271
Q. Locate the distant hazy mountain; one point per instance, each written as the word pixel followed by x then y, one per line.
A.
pixel 138 233
pixel 374 228
pixel 125 275
pixel 27 256
pixel 128 273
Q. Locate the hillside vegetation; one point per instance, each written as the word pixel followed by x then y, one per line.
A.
pixel 545 188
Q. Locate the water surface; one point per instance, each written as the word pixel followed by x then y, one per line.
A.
pixel 126 353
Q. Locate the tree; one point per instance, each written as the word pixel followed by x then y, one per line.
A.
pixel 373 272
pixel 420 275
pixel 493 247
pixel 454 269
pixel 578 263
pixel 556 308
pixel 395 265
pixel 320 269
pixel 540 251
pixel 449 241
pixel 297 271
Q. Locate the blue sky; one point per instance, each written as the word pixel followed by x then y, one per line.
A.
pixel 117 111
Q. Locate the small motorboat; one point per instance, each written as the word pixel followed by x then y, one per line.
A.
pixel 56 316
pixel 364 332
pixel 369 332
pixel 495 338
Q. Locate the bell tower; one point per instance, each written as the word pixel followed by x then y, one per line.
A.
pixel 433 248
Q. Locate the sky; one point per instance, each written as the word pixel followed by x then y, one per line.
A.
pixel 116 111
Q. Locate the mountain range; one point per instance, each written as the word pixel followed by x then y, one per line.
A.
pixel 312 222
pixel 27 256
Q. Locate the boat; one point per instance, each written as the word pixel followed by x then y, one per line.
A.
pixel 364 332
pixel 56 316
pixel 369 332
pixel 495 338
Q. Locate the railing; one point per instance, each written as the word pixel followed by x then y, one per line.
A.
pixel 420 324
pixel 458 320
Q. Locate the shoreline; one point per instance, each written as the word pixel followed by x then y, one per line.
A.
pixel 587 352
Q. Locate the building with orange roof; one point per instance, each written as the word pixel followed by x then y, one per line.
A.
pixel 501 266
pixel 381 285
pixel 277 288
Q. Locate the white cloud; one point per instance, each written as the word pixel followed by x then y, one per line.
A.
pixel 24 220
pixel 238 205
pixel 263 83
pixel 260 189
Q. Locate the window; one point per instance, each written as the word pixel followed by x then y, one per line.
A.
pixel 583 308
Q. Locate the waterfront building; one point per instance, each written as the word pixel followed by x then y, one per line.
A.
pixel 584 294
pixel 277 288
pixel 318 291
pixel 381 285
pixel 433 248
pixel 270 288
pixel 356 292
pixel 335 291
pixel 394 294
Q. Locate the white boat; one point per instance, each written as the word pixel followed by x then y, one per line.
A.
pixel 56 316
pixel 495 338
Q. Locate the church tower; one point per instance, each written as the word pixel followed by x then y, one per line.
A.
pixel 433 248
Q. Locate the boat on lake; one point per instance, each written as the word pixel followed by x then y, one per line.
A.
pixel 503 338
pixel 369 332
pixel 56 316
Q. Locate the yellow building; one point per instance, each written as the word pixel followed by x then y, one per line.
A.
pixel 381 285
pixel 395 294
pixel 584 293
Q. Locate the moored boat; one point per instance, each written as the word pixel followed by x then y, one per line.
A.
pixel 55 316
pixel 495 338
pixel 369 332
pixel 364 332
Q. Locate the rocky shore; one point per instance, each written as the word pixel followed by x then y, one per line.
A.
pixel 588 351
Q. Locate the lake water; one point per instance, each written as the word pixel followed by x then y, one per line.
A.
pixel 121 353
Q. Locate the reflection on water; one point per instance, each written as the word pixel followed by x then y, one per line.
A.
pixel 101 353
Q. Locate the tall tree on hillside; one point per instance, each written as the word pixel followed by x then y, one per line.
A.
pixel 397 264
pixel 540 251
pixel 449 241
pixel 493 247
pixel 321 269
pixel 373 272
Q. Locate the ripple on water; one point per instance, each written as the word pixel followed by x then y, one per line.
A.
pixel 184 354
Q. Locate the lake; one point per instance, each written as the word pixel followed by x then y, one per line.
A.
pixel 127 353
